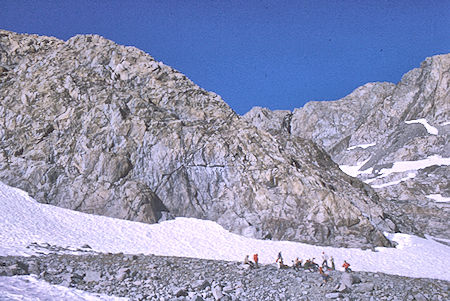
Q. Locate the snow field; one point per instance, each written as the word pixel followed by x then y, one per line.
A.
pixel 25 221
pixel 438 198
pixel 353 170
pixel 403 166
pixel 397 167
pixel 364 146
pixel 28 288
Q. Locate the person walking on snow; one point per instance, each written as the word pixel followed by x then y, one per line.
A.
pixel 324 260
pixel 279 258
pixel 346 266
pixel 297 264
pixel 255 259
pixel 333 267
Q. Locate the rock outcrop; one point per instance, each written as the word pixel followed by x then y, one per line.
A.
pixel 94 126
pixel 393 137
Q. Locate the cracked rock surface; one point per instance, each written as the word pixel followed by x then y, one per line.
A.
pixel 378 125
pixel 101 128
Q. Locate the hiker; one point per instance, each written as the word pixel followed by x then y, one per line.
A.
pixel 325 277
pixel 296 264
pixel 314 266
pixel 310 265
pixel 281 265
pixel 247 261
pixel 324 260
pixel 279 258
pixel 346 266
pixel 255 259
pixel 333 267
pixel 307 264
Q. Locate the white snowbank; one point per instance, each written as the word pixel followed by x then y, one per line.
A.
pixel 403 166
pixel 353 170
pixel 25 221
pixel 430 129
pixel 438 198
pixel 29 288
pixel 397 167
pixel 362 146
pixel 446 123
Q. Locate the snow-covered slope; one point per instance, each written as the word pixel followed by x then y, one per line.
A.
pixel 410 167
pixel 25 221
pixel 28 288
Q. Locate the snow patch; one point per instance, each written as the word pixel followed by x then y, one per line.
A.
pixel 353 170
pixel 400 167
pixel 31 288
pixel 364 146
pixel 438 198
pixel 25 221
pixel 446 123
pixel 404 166
pixel 368 181
pixel 430 129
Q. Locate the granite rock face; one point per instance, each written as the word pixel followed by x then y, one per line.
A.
pixel 101 128
pixel 393 137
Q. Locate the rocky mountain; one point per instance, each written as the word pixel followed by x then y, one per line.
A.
pixel 97 127
pixel 393 137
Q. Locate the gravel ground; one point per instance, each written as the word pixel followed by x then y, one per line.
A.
pixel 148 277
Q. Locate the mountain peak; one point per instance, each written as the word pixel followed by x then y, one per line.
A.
pixel 102 128
pixel 393 137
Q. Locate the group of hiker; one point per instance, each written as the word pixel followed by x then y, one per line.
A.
pixel 309 264
pixel 253 263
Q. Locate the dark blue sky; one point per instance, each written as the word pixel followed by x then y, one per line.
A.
pixel 275 54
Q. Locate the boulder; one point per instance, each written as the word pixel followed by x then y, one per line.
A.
pixel 333 295
pixel 122 273
pixel 92 276
pixel 66 279
pixel 420 297
pixel 200 284
pixel 179 292
pixel 196 298
pixel 342 288
pixel 347 280
pixel 217 292
pixel 364 287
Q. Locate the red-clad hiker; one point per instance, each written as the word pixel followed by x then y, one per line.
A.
pixel 255 259
pixel 346 266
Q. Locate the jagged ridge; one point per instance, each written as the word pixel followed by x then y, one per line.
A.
pixel 380 124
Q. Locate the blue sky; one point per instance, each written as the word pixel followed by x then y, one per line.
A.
pixel 275 54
